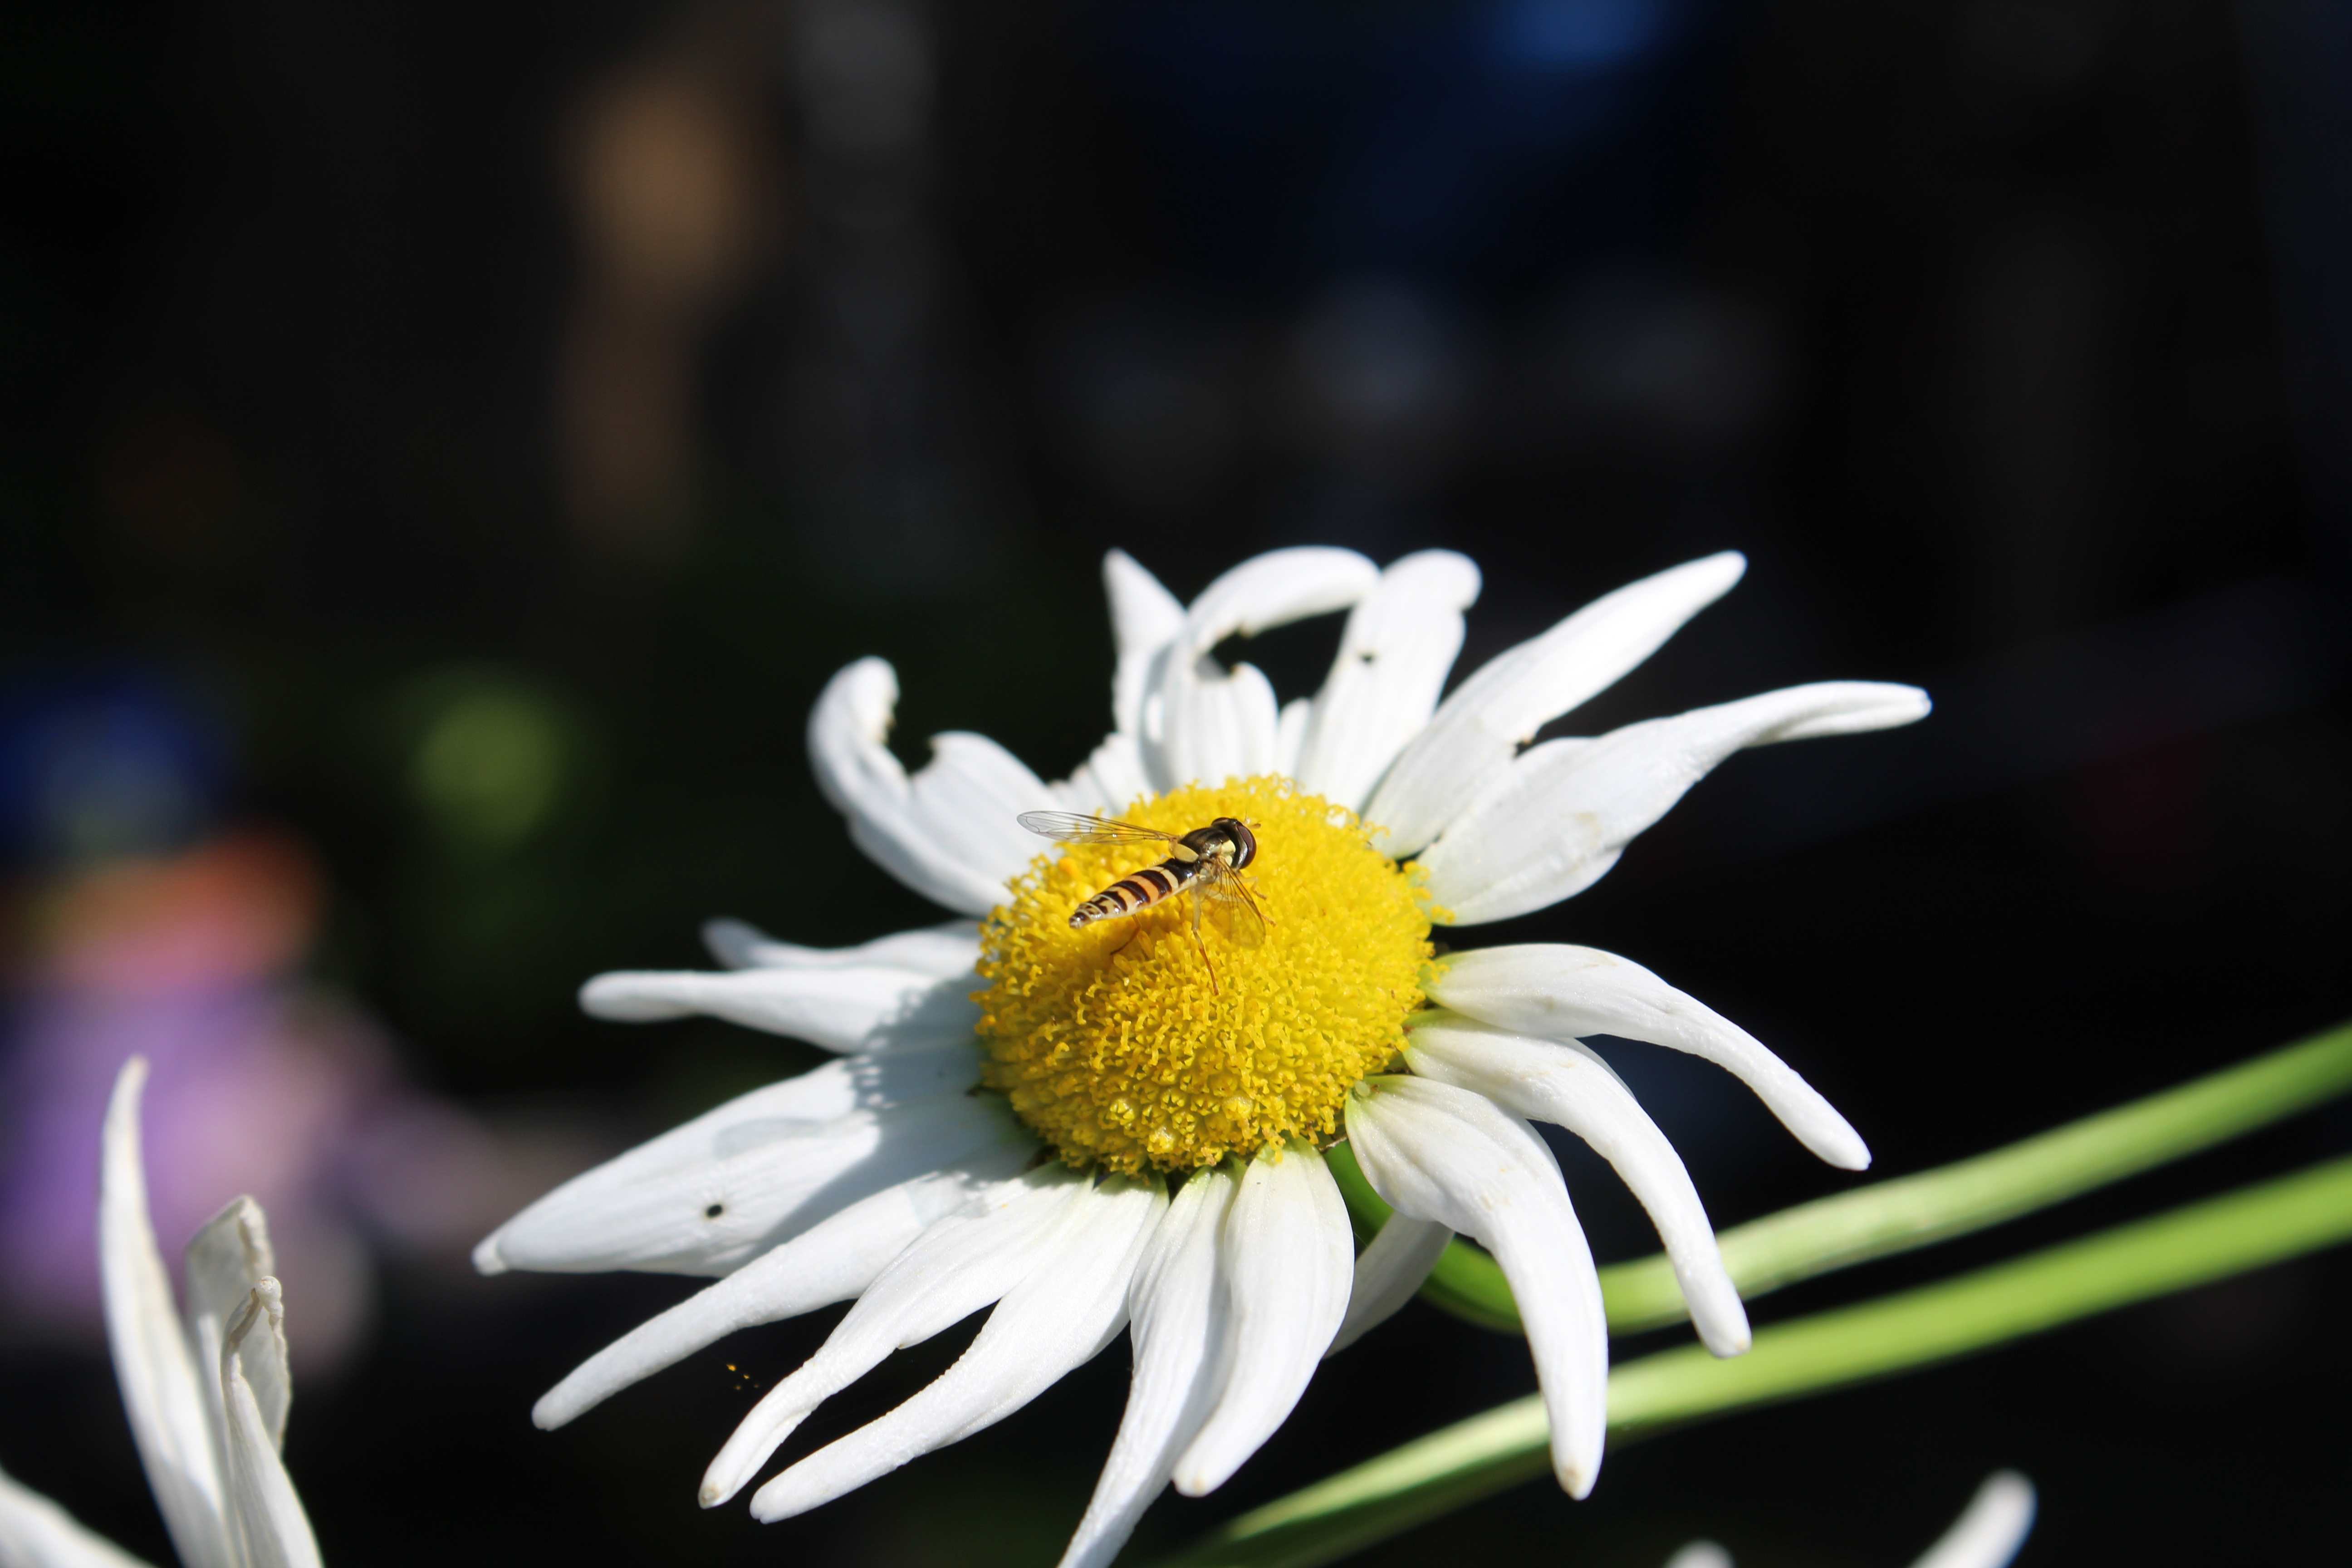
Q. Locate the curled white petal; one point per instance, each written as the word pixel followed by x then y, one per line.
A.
pixel 1564 1083
pixel 710 1195
pixel 1059 1318
pixel 959 1264
pixel 1204 723
pixel 1273 590
pixel 835 1008
pixel 1560 992
pixel 1287 1255
pixel 170 1418
pixel 1498 709
pixel 1388 1273
pixel 1180 1323
pixel 267 1517
pixel 1399 642
pixel 1443 1153
pixel 34 1532
pixel 948 832
pixel 833 1260
pixel 1989 1534
pixel 935 952
pixel 1552 823
pixel 1144 618
pixel 229 1256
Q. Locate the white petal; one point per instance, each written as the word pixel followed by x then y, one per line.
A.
pixel 1388 1274
pixel 1700 1555
pixel 1500 708
pixel 1181 1325
pixel 271 1528
pixel 959 1265
pixel 1439 1152
pixel 1273 590
pixel 1560 992
pixel 1219 725
pixel 832 1261
pixel 1564 1083
pixel 1554 822
pixel 1144 618
pixel 34 1532
pixel 1061 1317
pixel 949 832
pixel 835 1008
pixel 1204 723
pixel 1998 1518
pixel 229 1256
pixel 1287 1255
pixel 1291 735
pixel 936 952
pixel 1111 780
pixel 1393 657
pixel 707 1197
pixel 169 1417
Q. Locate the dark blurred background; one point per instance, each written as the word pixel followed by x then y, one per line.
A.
pixel 445 449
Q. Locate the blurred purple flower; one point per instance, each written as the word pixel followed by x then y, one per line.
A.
pixel 263 1085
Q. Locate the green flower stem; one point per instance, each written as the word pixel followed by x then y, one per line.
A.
pixel 1473 1458
pixel 1893 1216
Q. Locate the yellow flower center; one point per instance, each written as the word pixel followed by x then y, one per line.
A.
pixel 1115 1044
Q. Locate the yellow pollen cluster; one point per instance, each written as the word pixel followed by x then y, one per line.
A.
pixel 1113 1045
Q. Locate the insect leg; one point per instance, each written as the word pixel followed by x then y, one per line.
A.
pixel 1202 946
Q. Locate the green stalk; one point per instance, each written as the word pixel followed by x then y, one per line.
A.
pixel 1910 1212
pixel 1473 1459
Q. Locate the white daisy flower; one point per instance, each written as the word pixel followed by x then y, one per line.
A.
pixel 206 1391
pixel 1188 1073
pixel 1988 1535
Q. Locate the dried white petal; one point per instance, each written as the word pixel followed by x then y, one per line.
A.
pixel 266 1518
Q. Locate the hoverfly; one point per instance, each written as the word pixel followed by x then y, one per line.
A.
pixel 1207 861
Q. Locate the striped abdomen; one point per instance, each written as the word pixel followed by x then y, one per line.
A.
pixel 1132 895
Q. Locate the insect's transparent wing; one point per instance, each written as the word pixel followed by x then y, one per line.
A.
pixel 1228 891
pixel 1070 828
